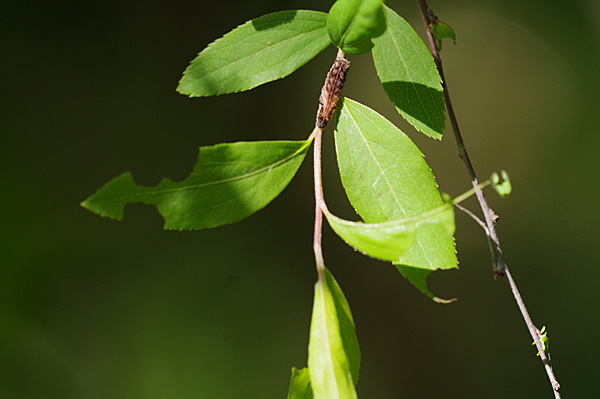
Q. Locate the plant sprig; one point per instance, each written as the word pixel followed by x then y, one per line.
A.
pixel 405 220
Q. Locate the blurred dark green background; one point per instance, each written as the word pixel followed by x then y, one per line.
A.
pixel 93 308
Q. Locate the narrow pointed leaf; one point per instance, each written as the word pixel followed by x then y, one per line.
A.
pixel 300 384
pixel 409 76
pixel 260 51
pixel 328 362
pixel 229 183
pixel 347 328
pixel 389 241
pixel 386 179
pixel 353 23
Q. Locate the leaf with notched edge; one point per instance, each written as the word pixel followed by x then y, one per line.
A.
pixel 229 183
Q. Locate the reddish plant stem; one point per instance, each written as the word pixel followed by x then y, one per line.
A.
pixel 330 94
pixel 318 201
pixel 500 268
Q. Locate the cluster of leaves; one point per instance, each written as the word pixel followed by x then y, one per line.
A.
pixel 384 174
pixel 232 181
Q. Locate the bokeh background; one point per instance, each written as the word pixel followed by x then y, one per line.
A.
pixel 93 308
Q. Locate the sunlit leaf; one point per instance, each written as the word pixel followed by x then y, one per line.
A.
pixel 409 76
pixel 229 182
pixel 347 329
pixel 259 51
pixel 353 23
pixel 329 365
pixel 543 335
pixel 388 241
pixel 300 384
pixel 503 188
pixel 386 179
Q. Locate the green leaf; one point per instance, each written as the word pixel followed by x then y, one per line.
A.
pixel 353 23
pixel 418 278
pixel 503 189
pixel 347 328
pixel 441 31
pixel 300 384
pixel 386 179
pixel 544 340
pixel 229 183
pixel 329 364
pixel 388 241
pixel 409 76
pixel 259 51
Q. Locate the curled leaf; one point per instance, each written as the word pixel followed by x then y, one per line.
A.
pixel 441 31
pixel 389 241
pixel 503 188
pixel 353 23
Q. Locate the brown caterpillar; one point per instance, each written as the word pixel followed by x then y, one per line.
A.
pixel 331 91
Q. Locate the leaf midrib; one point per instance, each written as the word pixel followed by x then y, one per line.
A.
pixel 223 181
pixel 236 62
pixel 351 112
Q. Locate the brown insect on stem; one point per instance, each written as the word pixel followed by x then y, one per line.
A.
pixel 331 91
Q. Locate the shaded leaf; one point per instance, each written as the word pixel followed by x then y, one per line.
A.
pixel 386 179
pixel 229 182
pixel 353 23
pixel 418 278
pixel 328 363
pixel 300 384
pixel 260 51
pixel 409 76
pixel 441 31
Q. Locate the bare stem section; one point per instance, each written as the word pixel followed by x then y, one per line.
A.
pixel 318 201
pixel 500 268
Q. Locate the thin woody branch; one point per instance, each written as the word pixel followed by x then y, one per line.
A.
pixel 500 267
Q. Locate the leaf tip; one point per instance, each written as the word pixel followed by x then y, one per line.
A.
pixel 444 301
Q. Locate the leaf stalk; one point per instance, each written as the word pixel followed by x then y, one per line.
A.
pixel 316 134
pixel 320 263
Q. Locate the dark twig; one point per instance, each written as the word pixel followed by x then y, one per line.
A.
pixel 535 333
pixel 500 268
pixel 473 216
